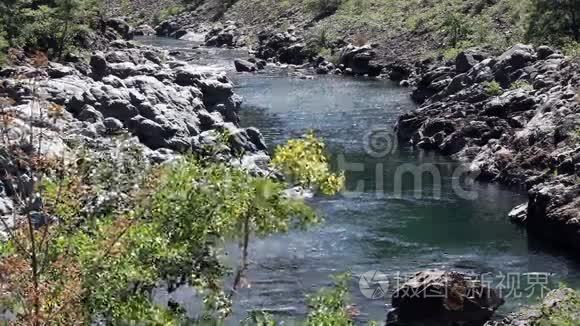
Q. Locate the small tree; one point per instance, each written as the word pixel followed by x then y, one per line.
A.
pixel 552 20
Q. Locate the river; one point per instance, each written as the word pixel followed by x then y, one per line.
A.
pixel 394 223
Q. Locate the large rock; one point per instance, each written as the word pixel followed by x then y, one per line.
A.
pixel 554 211
pixel 244 66
pixel 446 298
pixel 283 47
pixel 120 26
pixel 358 58
pixel 468 59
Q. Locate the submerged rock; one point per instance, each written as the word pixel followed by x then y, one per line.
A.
pixel 445 298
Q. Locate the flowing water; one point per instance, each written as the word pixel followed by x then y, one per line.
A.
pixel 395 223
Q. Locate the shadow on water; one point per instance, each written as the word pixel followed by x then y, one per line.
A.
pixel 392 224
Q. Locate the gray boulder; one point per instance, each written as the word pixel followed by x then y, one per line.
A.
pixel 144 30
pixel 244 66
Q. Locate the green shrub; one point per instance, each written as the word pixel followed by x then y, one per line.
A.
pixel 493 88
pixel 115 242
pixel 3 48
pixel 328 306
pixel 554 21
pixel 572 49
pixel 456 28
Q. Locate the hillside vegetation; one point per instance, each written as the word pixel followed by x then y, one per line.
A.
pixel 420 28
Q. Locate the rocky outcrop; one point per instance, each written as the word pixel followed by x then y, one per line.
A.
pixel 515 118
pixel 554 301
pixel 285 47
pixel 443 298
pixel 225 35
pixel 358 60
pixel 166 104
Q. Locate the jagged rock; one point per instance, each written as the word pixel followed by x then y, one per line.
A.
pixel 56 70
pixel 358 59
pixel 446 298
pixel 528 316
pixel 98 65
pixel 282 47
pixel 521 137
pixel 554 211
pixel 468 59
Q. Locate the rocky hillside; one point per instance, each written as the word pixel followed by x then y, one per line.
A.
pixel 402 30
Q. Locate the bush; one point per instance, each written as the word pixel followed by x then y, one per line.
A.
pixel 51 26
pixel 3 48
pixel 493 88
pixel 572 49
pixel 456 28
pixel 554 21
pixel 317 42
pixel 119 227
pixel 328 306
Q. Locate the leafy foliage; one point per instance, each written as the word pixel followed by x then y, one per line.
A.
pixel 305 163
pixel 493 88
pixel 554 20
pixel 102 247
pixel 47 25
pixel 328 307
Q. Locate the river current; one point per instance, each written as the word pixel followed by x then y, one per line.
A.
pixel 405 210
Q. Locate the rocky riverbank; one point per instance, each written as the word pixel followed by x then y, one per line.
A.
pixel 514 119
pixel 151 101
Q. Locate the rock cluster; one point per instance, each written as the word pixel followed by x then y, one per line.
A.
pixel 225 35
pixel 443 298
pixel 516 119
pixel 285 47
pixel 166 107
